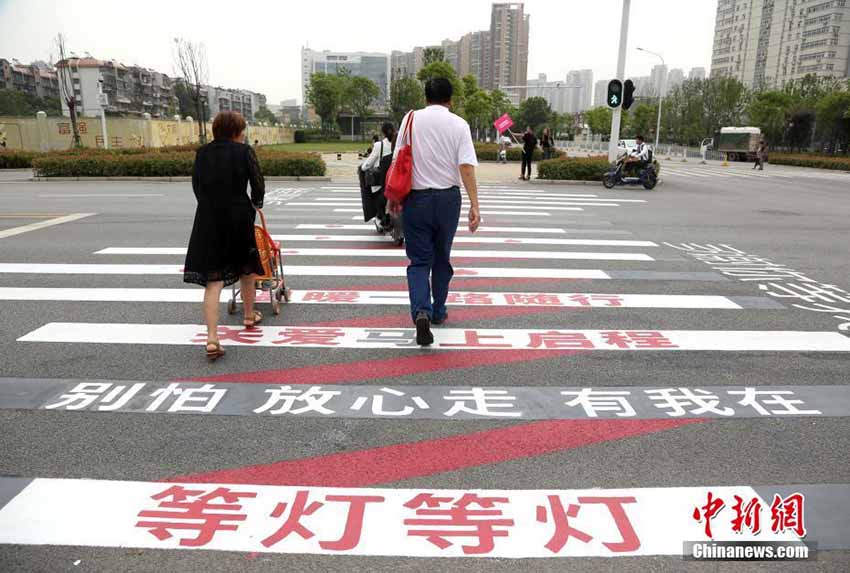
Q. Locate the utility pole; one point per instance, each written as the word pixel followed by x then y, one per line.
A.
pixel 621 72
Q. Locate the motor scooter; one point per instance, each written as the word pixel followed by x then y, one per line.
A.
pixel 646 175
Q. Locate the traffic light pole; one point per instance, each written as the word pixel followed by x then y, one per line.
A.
pixel 621 72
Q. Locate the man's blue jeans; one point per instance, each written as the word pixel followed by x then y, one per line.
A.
pixel 430 220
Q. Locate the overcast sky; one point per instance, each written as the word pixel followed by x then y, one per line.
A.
pixel 256 44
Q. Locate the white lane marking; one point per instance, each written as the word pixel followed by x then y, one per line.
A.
pixel 364 297
pixel 393 522
pixel 466 240
pixel 537 204
pixel 331 227
pixel 450 338
pixel 474 240
pixel 5 233
pixel 400 253
pixel 110 195
pixel 298 270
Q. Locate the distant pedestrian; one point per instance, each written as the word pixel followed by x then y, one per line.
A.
pixel 529 144
pixel 547 143
pixel 222 249
pixel 504 145
pixel 443 156
pixel 373 173
pixel 761 155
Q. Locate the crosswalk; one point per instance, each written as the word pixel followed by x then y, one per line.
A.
pixel 537 257
pixel 736 172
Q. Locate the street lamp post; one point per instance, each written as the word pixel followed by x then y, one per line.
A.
pixel 660 97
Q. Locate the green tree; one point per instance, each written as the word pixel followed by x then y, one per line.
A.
pixel 470 85
pixel 359 95
pixel 833 120
pixel 433 54
pixel 771 111
pixel 264 114
pixel 642 119
pixel 405 94
pixel 326 94
pixel 479 111
pixel 19 103
pixel 598 120
pixel 562 125
pixel 534 112
pixel 501 103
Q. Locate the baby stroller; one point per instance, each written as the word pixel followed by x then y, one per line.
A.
pixel 271 280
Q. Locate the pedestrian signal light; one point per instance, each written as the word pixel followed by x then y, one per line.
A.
pixel 615 93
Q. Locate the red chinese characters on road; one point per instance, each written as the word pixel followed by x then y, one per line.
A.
pixel 331 296
pixel 201 514
pixel 443 517
pixel 309 336
pixel 337 522
pixel 563 529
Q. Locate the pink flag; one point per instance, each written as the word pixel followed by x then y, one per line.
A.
pixel 503 123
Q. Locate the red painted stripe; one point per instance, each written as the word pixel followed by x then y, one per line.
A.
pixel 363 370
pixel 397 462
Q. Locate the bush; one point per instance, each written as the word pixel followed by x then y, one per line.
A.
pixel 315 135
pixel 164 164
pixel 490 152
pixel 574 168
pixel 840 163
pixel 16 159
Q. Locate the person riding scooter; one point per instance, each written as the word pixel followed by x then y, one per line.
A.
pixel 640 156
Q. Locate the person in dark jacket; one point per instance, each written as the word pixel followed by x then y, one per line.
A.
pixel 529 144
pixel 547 143
pixel 222 249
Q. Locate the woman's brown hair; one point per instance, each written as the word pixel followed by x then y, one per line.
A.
pixel 228 124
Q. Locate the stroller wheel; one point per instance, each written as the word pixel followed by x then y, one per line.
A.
pixel 287 294
pixel 275 300
pixel 231 306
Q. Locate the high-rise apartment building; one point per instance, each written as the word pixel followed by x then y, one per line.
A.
pixel 579 93
pixel 600 93
pixel 508 46
pixel 696 74
pixel 375 66
pixel 674 79
pixel 658 80
pixel 767 43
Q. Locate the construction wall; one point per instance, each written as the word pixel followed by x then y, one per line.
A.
pixel 44 133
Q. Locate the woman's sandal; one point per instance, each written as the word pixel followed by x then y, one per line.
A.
pixel 214 351
pixel 258 318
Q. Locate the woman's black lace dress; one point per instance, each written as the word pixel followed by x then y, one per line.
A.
pixel 222 245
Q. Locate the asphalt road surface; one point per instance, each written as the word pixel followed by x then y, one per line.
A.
pixel 656 348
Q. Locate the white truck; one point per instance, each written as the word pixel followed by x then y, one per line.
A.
pixel 737 143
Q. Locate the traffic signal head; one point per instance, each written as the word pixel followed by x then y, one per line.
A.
pixel 628 94
pixel 615 93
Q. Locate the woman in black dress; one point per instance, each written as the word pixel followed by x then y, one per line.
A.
pixel 222 248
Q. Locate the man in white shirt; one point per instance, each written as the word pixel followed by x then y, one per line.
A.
pixel 443 157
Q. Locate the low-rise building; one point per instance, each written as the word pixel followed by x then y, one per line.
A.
pixel 37 79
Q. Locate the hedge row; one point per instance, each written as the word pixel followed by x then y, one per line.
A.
pixel 272 163
pixel 574 168
pixel 315 135
pixel 490 152
pixel 817 161
pixel 10 159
